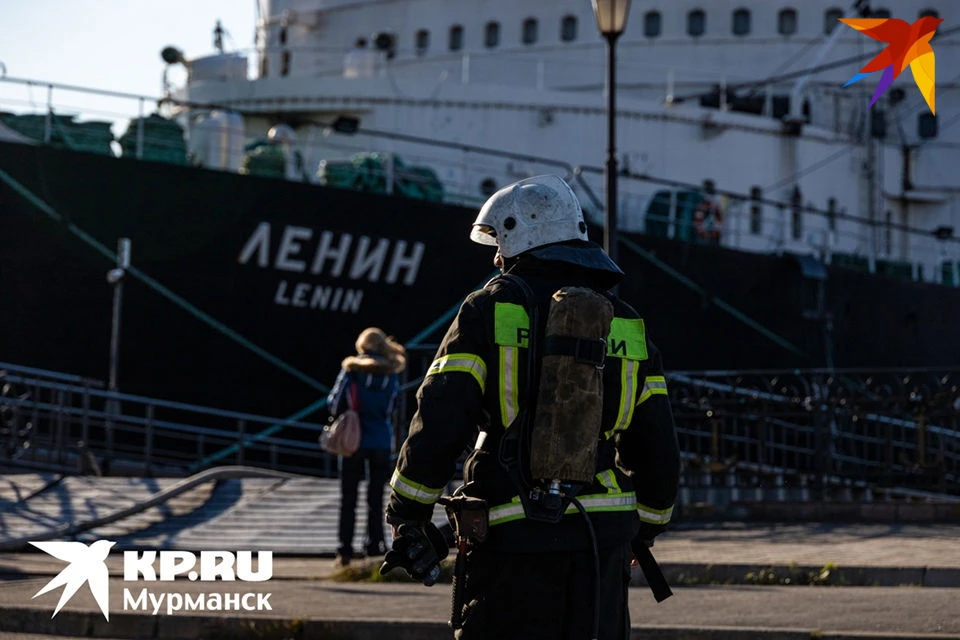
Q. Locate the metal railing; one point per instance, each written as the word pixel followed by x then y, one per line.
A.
pixel 820 430
pixel 74 425
pixel 803 433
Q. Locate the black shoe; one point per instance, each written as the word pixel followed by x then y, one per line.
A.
pixel 341 561
pixel 377 549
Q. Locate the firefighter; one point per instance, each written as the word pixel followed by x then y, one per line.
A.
pixel 529 567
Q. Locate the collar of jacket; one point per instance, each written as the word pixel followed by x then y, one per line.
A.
pixel 560 257
pixel 370 363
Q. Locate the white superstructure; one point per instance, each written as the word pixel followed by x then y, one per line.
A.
pixel 446 84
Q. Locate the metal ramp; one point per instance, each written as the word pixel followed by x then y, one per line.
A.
pixel 286 515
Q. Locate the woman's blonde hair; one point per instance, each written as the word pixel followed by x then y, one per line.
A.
pixel 374 341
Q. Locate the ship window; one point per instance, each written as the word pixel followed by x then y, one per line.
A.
pixel 929 13
pixel 456 38
pixel 283 35
pixel 787 22
pixel 927 125
pixel 568 28
pixel 756 211
pixel 741 22
pixel 285 63
pixel 832 214
pixel 652 24
pixel 696 23
pixel 529 34
pixel 264 66
pixel 488 187
pixel 880 13
pixel 831 19
pixel 422 41
pixel 491 36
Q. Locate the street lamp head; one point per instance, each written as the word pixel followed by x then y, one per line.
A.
pixel 611 16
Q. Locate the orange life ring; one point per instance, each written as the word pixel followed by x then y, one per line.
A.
pixel 708 220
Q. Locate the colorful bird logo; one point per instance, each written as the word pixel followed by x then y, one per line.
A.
pixel 909 44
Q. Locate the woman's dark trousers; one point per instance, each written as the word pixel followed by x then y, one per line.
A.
pixel 352 471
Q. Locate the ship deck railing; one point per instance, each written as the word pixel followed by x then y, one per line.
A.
pixel 750 222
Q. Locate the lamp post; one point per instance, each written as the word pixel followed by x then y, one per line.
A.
pixel 611 20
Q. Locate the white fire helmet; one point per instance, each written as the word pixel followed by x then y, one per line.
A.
pixel 530 213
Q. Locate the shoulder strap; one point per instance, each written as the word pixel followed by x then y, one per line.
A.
pixel 353 399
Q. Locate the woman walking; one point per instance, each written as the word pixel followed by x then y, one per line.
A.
pixel 370 380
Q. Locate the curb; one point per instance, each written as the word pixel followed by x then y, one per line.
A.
pixel 92 625
pixel 694 573
pixel 681 574
pixel 651 632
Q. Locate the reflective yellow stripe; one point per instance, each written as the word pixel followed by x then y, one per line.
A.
pixel 654 516
pixel 511 325
pixel 609 479
pixel 511 332
pixel 414 491
pixel 627 339
pixel 652 386
pixel 463 362
pixel 592 503
pixel 509 391
pixel 628 394
pixel 513 510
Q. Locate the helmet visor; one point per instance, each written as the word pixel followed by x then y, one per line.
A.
pixel 484 234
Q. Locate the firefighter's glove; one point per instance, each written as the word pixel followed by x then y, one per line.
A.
pixel 418 550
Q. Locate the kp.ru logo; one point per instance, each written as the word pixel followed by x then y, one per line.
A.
pixel 88 564
pixel 909 44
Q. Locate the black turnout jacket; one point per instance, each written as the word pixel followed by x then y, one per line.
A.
pixel 474 384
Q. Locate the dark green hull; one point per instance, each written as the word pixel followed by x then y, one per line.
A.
pixel 264 308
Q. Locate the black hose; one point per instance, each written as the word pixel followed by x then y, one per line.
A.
pixel 596 569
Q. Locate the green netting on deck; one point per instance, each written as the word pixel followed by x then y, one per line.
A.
pixel 948 274
pixel 897 269
pixel 368 172
pixel 65 131
pixel 263 159
pixel 859 263
pixel 162 140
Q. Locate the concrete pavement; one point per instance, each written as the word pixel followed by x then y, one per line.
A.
pixel 306 602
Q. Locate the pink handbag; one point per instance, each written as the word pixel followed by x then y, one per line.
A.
pixel 342 436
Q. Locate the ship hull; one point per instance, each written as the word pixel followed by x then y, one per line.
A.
pixel 256 288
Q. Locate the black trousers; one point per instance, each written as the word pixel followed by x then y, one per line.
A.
pixel 549 596
pixel 352 471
